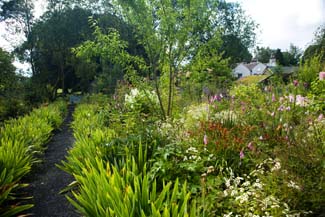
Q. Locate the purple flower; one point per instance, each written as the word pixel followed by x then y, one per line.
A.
pixel 241 154
pixel 205 139
pixel 306 85
pixel 281 108
pixel 295 83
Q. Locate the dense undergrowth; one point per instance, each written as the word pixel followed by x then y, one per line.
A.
pixel 257 152
pixel 22 143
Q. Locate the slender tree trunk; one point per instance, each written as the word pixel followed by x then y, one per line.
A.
pixel 158 92
pixel 170 90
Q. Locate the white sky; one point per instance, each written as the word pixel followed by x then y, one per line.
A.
pixel 285 21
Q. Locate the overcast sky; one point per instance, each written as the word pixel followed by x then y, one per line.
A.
pixel 285 21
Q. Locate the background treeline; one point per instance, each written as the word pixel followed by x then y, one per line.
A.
pixel 221 42
pixel 50 38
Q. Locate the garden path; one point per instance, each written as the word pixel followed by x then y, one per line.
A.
pixel 47 180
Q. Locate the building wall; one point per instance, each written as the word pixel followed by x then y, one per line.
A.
pixel 241 71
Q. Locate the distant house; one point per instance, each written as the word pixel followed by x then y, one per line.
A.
pixel 272 62
pixel 254 68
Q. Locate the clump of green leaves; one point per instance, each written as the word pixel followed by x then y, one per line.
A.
pixel 21 144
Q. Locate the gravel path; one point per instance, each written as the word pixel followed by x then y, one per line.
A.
pixel 46 180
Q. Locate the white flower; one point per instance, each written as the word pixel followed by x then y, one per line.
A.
pixel 210 169
pixel 228 215
pixel 277 166
pixel 227 182
pixel 293 185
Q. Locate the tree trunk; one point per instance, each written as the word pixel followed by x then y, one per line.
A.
pixel 158 92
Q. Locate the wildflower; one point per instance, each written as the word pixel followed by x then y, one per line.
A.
pixel 291 98
pixel 272 114
pixel 322 76
pixel 250 146
pixel 281 99
pixel 295 83
pixel 301 101
pixel 273 98
pixel 205 139
pixel 306 85
pixel 293 185
pixel 320 117
pixel 210 169
pixel 241 154
pixel 288 108
pixel 281 108
pixel 277 166
pixel 261 138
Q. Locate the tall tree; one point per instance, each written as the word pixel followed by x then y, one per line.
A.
pixel 237 30
pixel 318 45
pixel 20 13
pixel 53 36
pixel 263 54
pixel 279 57
pixel 7 71
pixel 170 31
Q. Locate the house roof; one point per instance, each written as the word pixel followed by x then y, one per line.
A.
pixel 252 79
pixel 250 66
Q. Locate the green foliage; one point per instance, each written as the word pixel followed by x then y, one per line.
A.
pixel 21 143
pixel 11 97
pixel 111 166
pixel 7 72
pixel 317 94
pixel 310 69
pixel 128 192
pixel 318 45
pixel 207 70
pixel 237 31
pixel 263 54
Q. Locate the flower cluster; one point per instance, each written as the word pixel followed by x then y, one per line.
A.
pixel 139 98
pixel 249 195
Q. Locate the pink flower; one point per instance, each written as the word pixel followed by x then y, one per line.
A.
pixel 301 101
pixel 320 117
pixel 241 154
pixel 273 98
pixel 322 76
pixel 291 98
pixel 205 139
pixel 295 83
pixel 250 146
